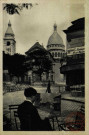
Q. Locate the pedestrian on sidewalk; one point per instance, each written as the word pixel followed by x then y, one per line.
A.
pixel 48 87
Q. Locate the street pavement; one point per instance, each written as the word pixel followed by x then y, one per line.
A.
pixel 17 97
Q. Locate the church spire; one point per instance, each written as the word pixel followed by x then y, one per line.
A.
pixel 55 27
pixel 9 41
pixel 9 24
pixel 9 30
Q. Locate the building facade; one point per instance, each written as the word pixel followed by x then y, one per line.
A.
pixel 57 49
pixel 9 41
pixel 73 64
pixel 37 62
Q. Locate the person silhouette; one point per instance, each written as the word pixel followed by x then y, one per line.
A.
pixel 48 87
pixel 29 116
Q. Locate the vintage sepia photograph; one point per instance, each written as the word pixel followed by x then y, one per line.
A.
pixel 44 65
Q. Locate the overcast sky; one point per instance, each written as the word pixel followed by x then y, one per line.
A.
pixel 36 24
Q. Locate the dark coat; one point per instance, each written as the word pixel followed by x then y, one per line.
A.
pixel 30 119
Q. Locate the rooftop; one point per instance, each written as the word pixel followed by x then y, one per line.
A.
pixel 76 25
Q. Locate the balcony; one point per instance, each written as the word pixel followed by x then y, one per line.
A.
pixel 72 62
pixel 67 68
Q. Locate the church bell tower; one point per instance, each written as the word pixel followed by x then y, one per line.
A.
pixel 9 41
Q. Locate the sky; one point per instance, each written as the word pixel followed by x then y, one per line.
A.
pixel 36 24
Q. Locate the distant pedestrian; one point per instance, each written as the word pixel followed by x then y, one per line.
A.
pixel 48 87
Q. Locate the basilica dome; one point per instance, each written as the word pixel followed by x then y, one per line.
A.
pixel 55 38
pixel 55 44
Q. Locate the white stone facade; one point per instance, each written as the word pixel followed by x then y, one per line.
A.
pixel 9 41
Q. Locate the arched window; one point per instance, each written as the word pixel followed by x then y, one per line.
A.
pixel 8 43
pixel 55 54
pixel 61 54
pixel 58 54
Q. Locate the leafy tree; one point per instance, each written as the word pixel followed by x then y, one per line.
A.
pixel 14 64
pixel 39 62
pixel 16 8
